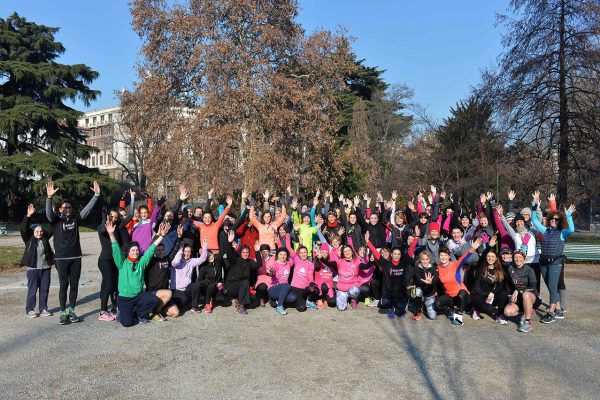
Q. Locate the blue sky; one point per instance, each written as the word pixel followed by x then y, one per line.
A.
pixel 437 48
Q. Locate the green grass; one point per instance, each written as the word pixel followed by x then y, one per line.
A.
pixel 10 257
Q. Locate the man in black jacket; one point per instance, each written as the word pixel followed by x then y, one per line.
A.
pixel 65 228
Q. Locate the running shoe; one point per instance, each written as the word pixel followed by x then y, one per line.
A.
pixel 374 303
pixel 311 305
pixel 416 317
pixel 501 320
pixel 524 326
pixel 32 314
pixel 548 318
pixel 368 302
pixel 476 316
pixel 320 304
pixel 457 320
pixel 353 304
pixel 64 319
pixel 144 321
pixel 195 310
pixel 106 316
pixel 241 309
pixel 46 313
pixel 280 310
pixel 559 314
pixel 73 318
pixel 391 313
pixel 208 307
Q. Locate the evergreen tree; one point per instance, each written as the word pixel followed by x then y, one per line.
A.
pixel 38 131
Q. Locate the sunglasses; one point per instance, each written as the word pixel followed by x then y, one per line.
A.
pixel 555 219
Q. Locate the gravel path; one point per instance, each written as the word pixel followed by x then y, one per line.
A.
pixel 319 354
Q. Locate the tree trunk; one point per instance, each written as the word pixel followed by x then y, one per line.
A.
pixel 563 149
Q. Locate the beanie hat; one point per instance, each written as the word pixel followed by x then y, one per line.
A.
pixel 305 214
pixel 521 250
pixel 130 245
pixel 434 226
pixel 464 215
pixel 519 217
pixel 264 247
pixel 505 249
pixel 526 210
pixel 283 250
pixel 510 215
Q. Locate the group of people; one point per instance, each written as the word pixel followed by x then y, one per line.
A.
pixel 429 257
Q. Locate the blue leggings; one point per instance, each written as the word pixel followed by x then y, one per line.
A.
pixel 282 294
pixel 551 274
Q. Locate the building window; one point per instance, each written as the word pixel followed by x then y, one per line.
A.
pixel 109 117
pixel 101 160
pixel 94 121
pixel 109 159
pixel 102 119
pixel 87 121
pixel 94 143
pixel 93 161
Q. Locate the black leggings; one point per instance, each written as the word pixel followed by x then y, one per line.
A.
pixel 538 274
pixel 208 290
pixel 311 293
pixel 239 290
pixel 461 301
pixel 110 282
pixel 182 297
pixel 375 286
pixel 262 292
pixel 324 295
pixel 494 309
pixel 69 272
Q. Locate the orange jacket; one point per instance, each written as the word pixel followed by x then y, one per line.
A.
pixel 211 231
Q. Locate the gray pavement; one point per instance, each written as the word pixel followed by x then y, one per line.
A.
pixel 318 354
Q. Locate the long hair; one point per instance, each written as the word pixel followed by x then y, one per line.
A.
pixel 497 268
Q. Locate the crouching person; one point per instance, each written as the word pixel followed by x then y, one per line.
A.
pixel 134 304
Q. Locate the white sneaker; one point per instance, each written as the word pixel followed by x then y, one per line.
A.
pixel 476 316
pixel 46 313
pixel 32 314
pixel 374 303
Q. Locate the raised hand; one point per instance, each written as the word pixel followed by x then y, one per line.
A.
pixel 571 209
pixel 256 245
pixel 294 203
pixel 428 278
pixel 443 195
pixel 379 197
pixel 229 201
pixel 433 189
pixel 30 210
pixel 536 196
pixel 316 201
pixel 164 228
pixel 96 188
pixel 394 195
pixel 551 197
pixel 110 227
pixel 489 195
pixel 131 192
pixel 500 209
pixel 183 193
pixel 367 236
pixel 475 244
pixel 289 190
pixel 341 231
pixel 356 201
pixel 211 191
pixel 231 236
pixel 179 231
pixel 482 198
pixel 511 195
pixel 244 194
pixel 492 241
pixel 50 189
pixel 365 196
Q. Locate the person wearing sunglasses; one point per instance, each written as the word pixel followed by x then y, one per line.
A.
pixel 551 257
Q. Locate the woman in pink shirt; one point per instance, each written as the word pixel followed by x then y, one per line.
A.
pixel 303 279
pixel 279 287
pixel 263 280
pixel 324 278
pixel 347 266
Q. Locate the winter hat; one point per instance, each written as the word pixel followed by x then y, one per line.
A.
pixel 305 214
pixel 526 210
pixel 130 245
pixel 505 249
pixel 434 226
pixel 521 250
pixel 464 215
pixel 283 250
pixel 186 207
pixel 264 247
pixel 510 215
pixel 519 217
pixel 324 247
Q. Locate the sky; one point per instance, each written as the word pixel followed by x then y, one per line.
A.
pixel 438 48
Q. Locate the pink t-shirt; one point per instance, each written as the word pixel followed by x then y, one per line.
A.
pixel 347 273
pixel 281 272
pixel 365 275
pixel 304 273
pixel 262 271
